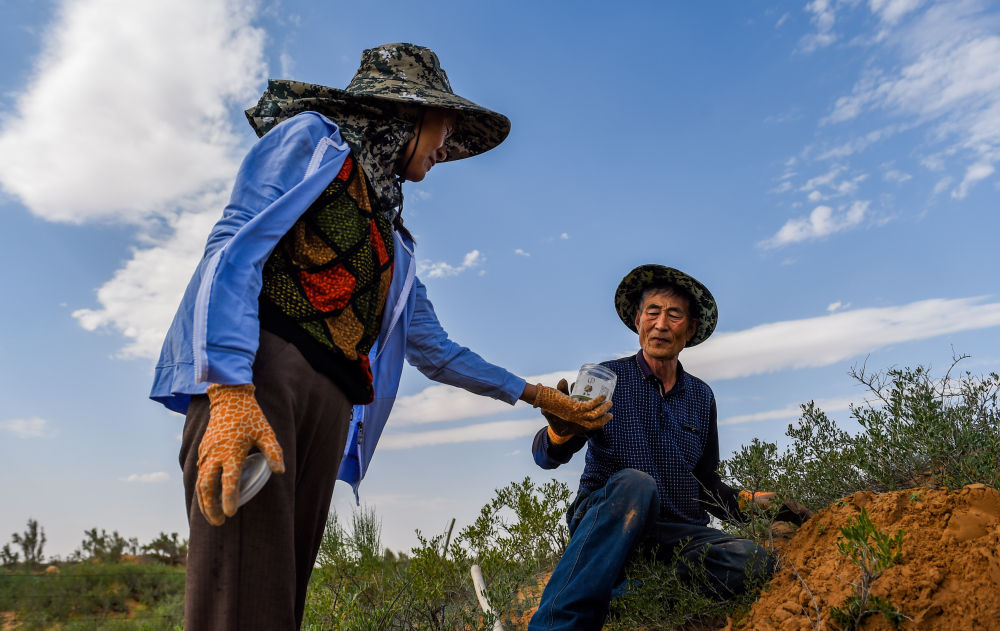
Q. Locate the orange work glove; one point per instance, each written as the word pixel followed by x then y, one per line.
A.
pixel 790 510
pixel 235 424
pixel 761 498
pixel 570 417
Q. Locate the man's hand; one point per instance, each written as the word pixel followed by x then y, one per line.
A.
pixel 235 424
pixel 569 417
pixel 790 511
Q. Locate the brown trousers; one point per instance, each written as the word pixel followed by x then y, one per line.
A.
pixel 252 572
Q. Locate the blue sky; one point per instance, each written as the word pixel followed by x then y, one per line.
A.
pixel 827 168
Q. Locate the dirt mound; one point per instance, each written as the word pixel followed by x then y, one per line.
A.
pixel 948 577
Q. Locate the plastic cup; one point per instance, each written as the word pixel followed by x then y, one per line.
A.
pixel 253 476
pixel 593 381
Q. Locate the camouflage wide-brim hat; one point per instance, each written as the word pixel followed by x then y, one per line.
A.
pixel 389 74
pixel 629 293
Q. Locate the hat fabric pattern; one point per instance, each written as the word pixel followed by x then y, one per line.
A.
pixel 399 74
pixel 630 289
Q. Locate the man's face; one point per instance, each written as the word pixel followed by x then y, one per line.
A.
pixel 664 323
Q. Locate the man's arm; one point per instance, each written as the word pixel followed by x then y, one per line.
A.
pixel 719 498
pixel 549 454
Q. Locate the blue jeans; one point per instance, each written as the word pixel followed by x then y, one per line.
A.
pixel 606 526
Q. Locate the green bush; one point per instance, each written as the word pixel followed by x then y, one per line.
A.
pixel 357 584
pixel 915 431
pixel 92 595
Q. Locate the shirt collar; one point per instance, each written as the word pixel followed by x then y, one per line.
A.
pixel 647 373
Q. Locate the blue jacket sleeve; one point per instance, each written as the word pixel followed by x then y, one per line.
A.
pixel 549 455
pixel 430 351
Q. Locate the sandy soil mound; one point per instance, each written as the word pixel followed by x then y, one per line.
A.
pixel 948 577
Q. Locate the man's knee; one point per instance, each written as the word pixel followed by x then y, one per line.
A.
pixel 632 494
pixel 758 563
pixel 753 564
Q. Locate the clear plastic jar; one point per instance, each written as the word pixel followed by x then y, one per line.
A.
pixel 593 381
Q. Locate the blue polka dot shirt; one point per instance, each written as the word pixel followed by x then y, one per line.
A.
pixel 672 436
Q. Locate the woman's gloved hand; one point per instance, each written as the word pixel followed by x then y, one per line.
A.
pixel 235 424
pixel 570 417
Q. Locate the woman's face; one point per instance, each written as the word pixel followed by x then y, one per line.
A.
pixel 436 128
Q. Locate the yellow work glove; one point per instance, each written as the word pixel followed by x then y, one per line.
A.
pixel 570 417
pixel 235 424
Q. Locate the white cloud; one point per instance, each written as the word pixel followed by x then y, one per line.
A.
pixel 442 270
pixel 140 299
pixel 147 478
pixel 826 179
pixel 479 432
pixel 973 174
pixel 521 252
pixel 894 175
pixel 125 117
pixel 837 306
pixel 942 184
pixel 134 115
pixel 287 64
pixel 891 11
pixel 823 17
pixel 793 344
pixel 790 411
pixel 856 145
pixel 945 75
pixel 821 222
pixel 824 340
pixel 564 236
pixel 782 20
pixel 26 428
pixel 439 403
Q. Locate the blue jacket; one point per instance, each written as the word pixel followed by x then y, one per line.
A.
pixel 215 332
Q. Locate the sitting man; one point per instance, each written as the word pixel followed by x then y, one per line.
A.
pixel 650 473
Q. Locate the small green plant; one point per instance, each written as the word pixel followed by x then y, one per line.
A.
pixel 915 496
pixel 872 552
pixel 820 529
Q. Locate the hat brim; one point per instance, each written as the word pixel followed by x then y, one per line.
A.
pixel 477 128
pixel 630 290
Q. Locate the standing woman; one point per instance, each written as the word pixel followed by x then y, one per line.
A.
pixel 291 335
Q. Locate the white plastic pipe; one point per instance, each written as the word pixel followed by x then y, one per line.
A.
pixel 477 581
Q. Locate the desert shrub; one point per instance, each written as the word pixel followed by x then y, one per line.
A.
pixel 31 542
pixel 358 584
pixel 915 431
pixel 167 548
pixel 101 546
pixel 660 596
pixel 91 596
